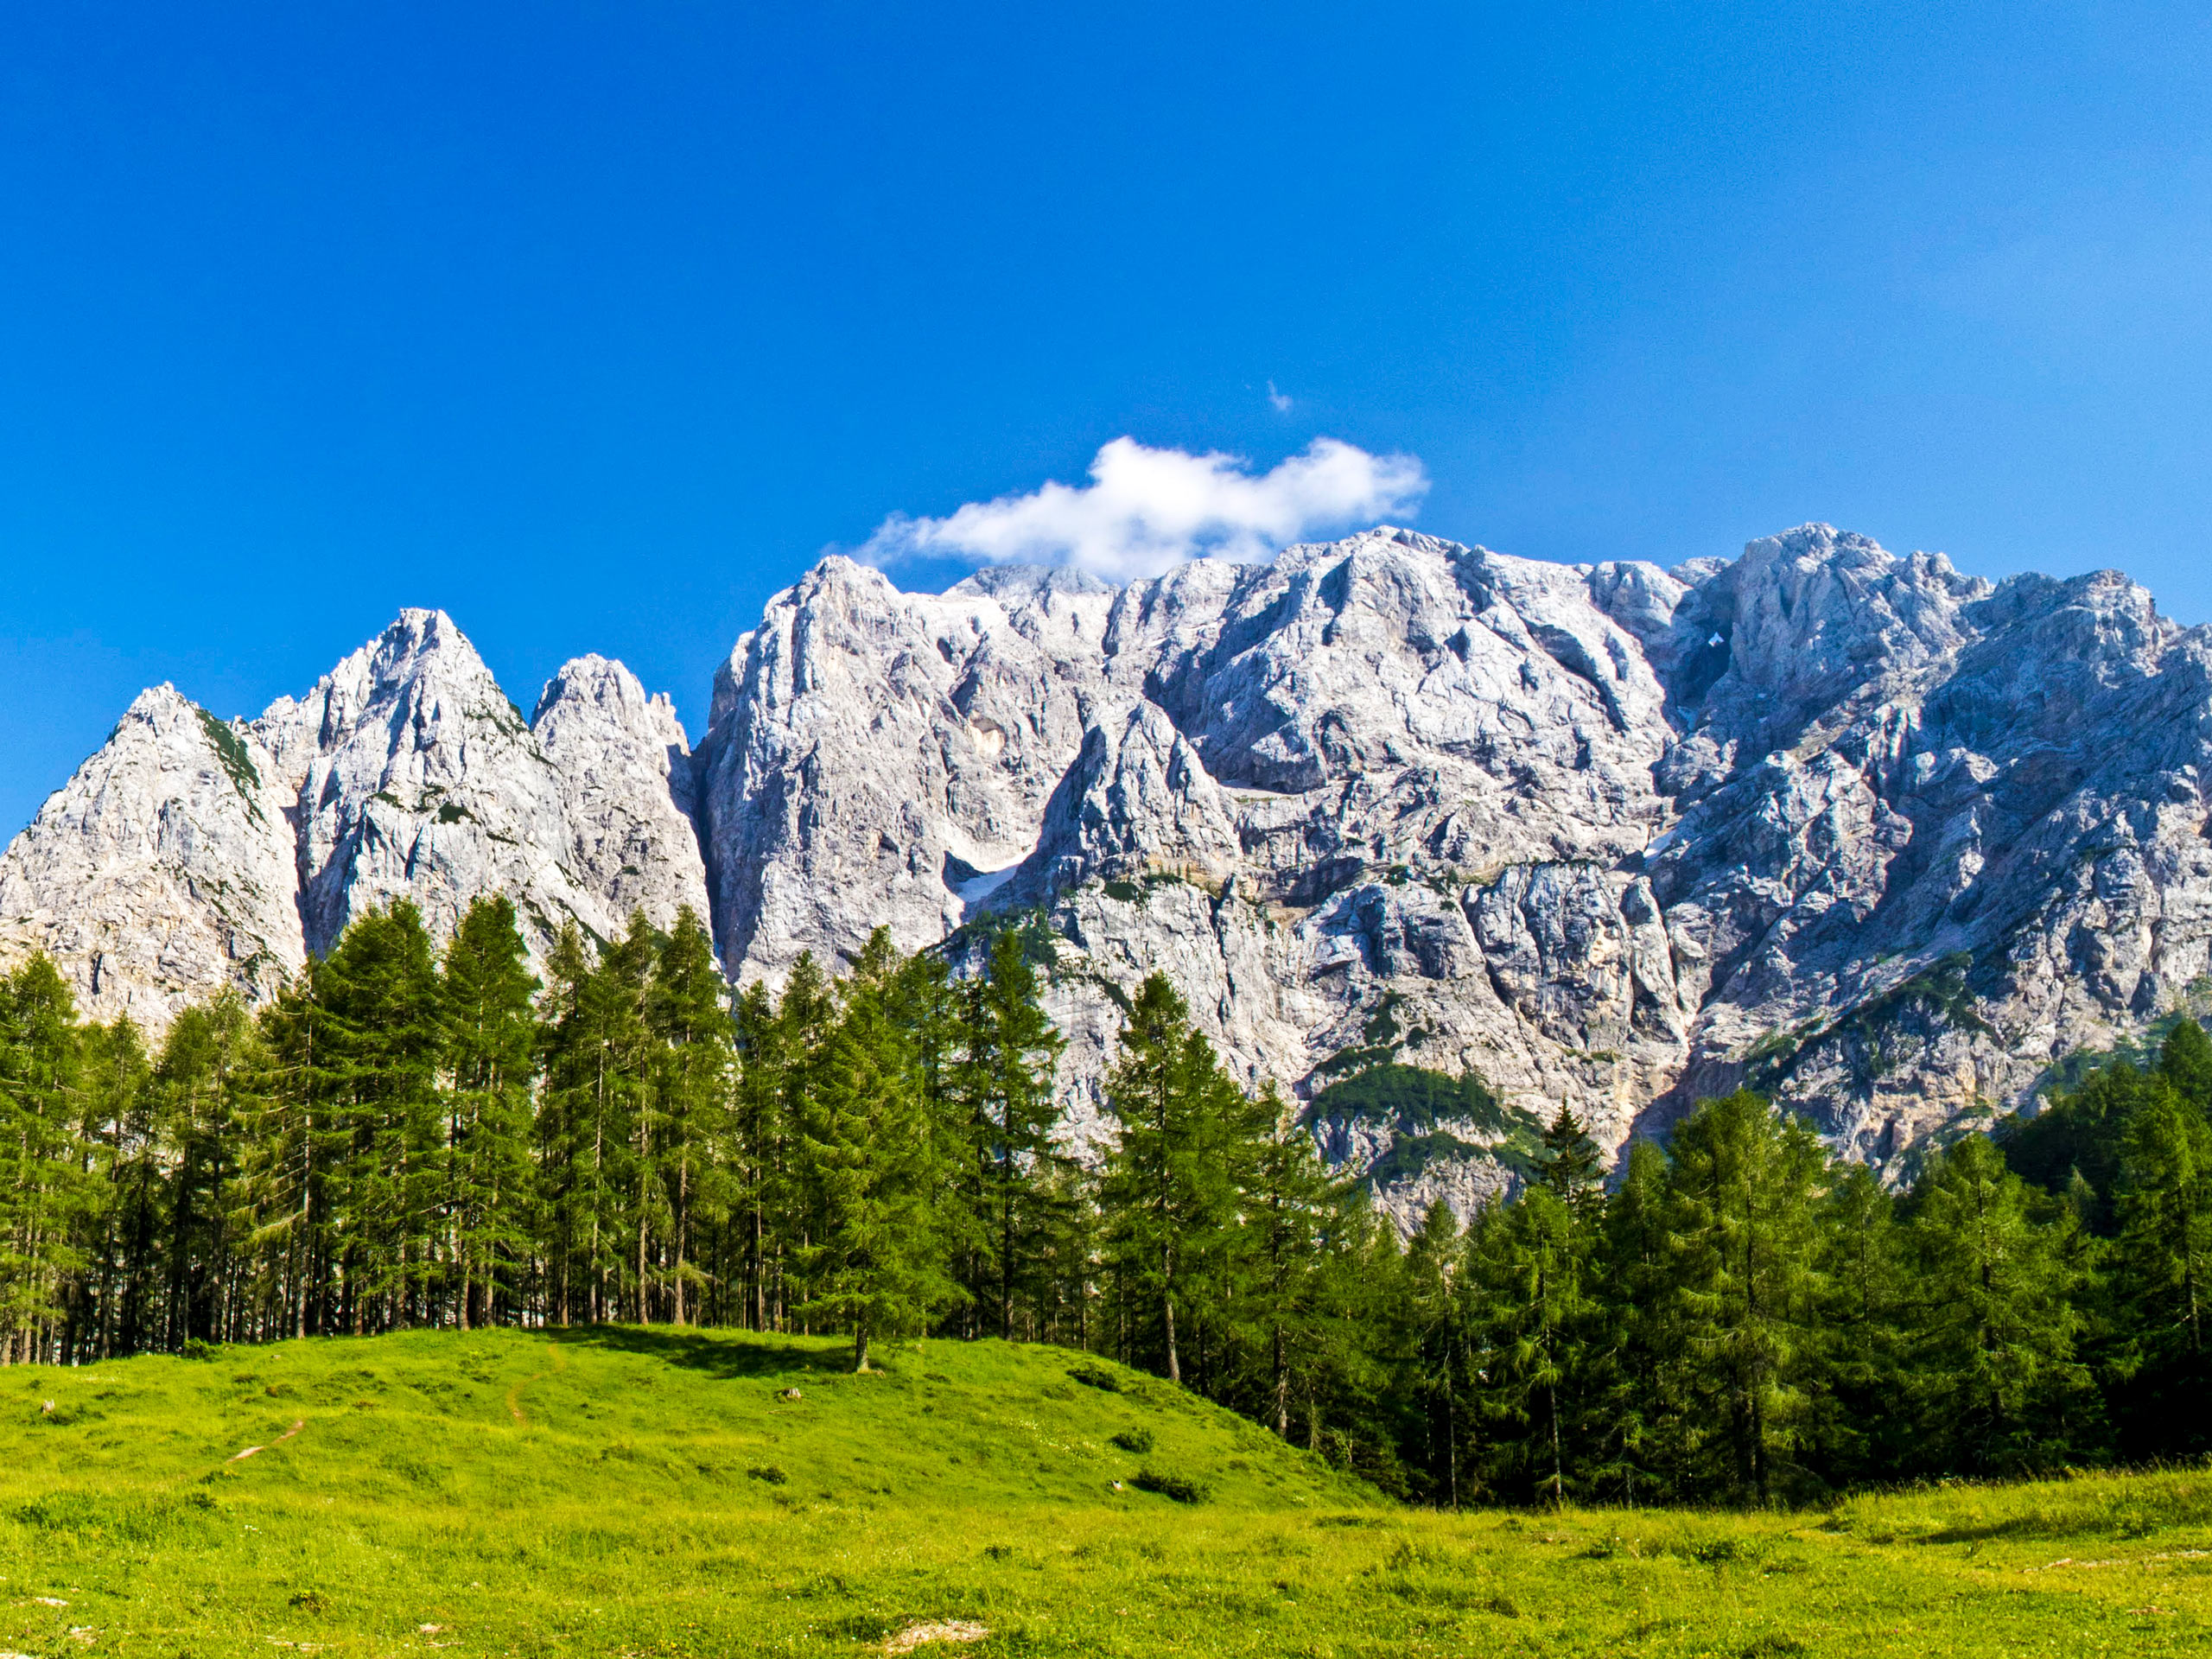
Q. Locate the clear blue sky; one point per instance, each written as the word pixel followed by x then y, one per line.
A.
pixel 594 324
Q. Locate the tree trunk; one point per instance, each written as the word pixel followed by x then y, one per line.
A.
pixel 1558 1473
pixel 1282 1388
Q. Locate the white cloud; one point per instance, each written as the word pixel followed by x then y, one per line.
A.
pixel 1280 399
pixel 1146 510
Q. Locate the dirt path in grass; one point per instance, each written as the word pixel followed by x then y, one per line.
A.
pixel 514 1395
pixel 250 1450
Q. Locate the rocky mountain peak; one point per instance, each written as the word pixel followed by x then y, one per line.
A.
pixel 626 770
pixel 1845 824
pixel 192 853
pixel 160 874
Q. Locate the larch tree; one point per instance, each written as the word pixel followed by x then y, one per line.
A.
pixel 1995 1362
pixel 1744 1271
pixel 688 1013
pixel 879 1267
pixel 485 993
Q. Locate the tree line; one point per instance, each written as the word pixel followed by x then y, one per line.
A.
pixel 409 1137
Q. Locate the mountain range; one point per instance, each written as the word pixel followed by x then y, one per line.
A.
pixel 1881 839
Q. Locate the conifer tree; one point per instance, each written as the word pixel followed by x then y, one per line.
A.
pixel 134 1210
pixel 1853 1424
pixel 282 1167
pixel 1639 1369
pixel 597 1067
pixel 1569 1164
pixel 689 1019
pixel 196 1083
pixel 1008 1055
pixel 45 1191
pixel 1438 1343
pixel 1292 1211
pixel 758 1138
pixel 880 1265
pixel 377 993
pixel 1745 1280
pixel 2163 1262
pixel 783 1044
pixel 2185 1062
pixel 490 1033
pixel 1170 1187
pixel 1528 1267
pixel 1996 1371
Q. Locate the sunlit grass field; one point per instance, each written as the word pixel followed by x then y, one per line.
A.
pixel 647 1492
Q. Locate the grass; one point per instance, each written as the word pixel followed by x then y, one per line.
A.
pixel 630 1492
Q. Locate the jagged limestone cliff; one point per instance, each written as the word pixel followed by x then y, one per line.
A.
pixel 191 853
pixel 1874 836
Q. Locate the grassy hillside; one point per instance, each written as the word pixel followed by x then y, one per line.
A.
pixel 636 1493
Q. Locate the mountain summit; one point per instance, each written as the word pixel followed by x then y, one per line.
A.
pixel 1879 839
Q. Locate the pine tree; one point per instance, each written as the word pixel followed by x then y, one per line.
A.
pixel 377 993
pixel 485 996
pixel 45 1191
pixel 2164 1261
pixel 593 1120
pixel 878 1266
pixel 1008 1056
pixel 1855 1427
pixel 281 1167
pixel 759 1136
pixel 134 1161
pixel 1569 1164
pixel 1170 1187
pixel 688 1015
pixel 196 1085
pixel 1638 1373
pixel 2079 1133
pixel 783 1044
pixel 1436 1346
pixel 1529 1268
pixel 1744 1267
pixel 1292 1211
pixel 2185 1062
pixel 1996 1327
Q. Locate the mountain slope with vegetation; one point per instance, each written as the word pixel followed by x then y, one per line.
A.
pixel 407 1142
pixel 614 1490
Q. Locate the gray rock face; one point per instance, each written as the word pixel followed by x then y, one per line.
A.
pixel 875 757
pixel 1933 834
pixel 1848 826
pixel 1851 826
pixel 624 771
pixel 416 778
pixel 190 853
pixel 163 871
pixel 1137 801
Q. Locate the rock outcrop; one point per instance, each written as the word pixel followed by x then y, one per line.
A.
pixel 191 853
pixel 624 771
pixel 1877 837
pixel 163 872
pixel 416 778
pixel 1881 838
pixel 876 757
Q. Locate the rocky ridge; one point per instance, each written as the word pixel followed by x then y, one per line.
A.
pixel 192 853
pixel 1880 838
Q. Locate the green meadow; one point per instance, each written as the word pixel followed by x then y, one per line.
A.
pixel 648 1492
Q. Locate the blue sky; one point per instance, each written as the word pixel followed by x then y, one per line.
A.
pixel 595 324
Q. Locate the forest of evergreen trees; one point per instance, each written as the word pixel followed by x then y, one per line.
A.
pixel 411 1139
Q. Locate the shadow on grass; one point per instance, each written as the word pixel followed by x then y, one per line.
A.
pixel 717 1354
